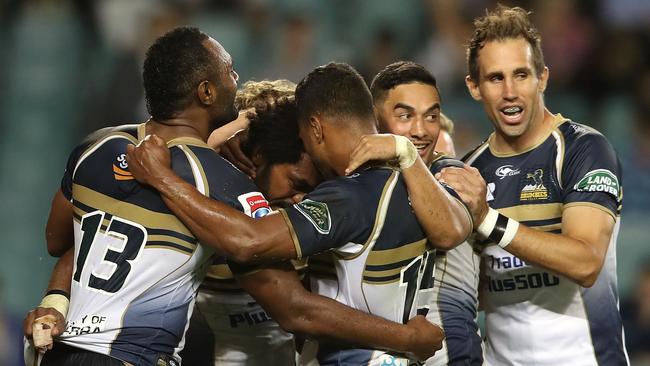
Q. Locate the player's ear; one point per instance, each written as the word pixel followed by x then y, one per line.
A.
pixel 472 86
pixel 206 92
pixel 316 128
pixel 543 79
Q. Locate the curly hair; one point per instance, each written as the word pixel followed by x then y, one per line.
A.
pixel 273 132
pixel 261 94
pixel 504 23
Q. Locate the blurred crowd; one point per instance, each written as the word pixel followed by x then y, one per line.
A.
pixel 68 67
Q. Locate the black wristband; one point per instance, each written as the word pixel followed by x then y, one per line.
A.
pixel 58 292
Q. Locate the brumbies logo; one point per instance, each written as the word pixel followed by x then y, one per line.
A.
pixel 317 213
pixel 254 204
pixel 535 190
pixel 599 180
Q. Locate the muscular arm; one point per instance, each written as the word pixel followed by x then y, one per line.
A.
pixel 297 310
pixel 214 223
pixel 444 219
pixel 58 231
pixel 578 253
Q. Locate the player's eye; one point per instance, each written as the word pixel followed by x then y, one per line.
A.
pixel 431 117
pixel 404 116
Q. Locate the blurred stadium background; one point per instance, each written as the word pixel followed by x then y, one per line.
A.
pixel 68 67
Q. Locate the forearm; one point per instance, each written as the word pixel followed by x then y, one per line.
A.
pixel 303 312
pixel 578 253
pixel 446 221
pixel 572 258
pixel 222 227
pixel 62 273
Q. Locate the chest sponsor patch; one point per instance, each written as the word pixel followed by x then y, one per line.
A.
pixel 599 180
pixel 254 204
pixel 317 213
pixel 506 171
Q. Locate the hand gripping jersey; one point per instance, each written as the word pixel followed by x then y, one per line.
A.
pixel 455 298
pixel 383 261
pixel 535 316
pixel 137 267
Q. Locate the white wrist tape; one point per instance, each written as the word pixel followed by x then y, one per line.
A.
pixel 57 301
pixel 405 151
pixel 498 228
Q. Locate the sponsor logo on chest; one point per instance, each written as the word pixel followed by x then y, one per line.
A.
pixel 505 171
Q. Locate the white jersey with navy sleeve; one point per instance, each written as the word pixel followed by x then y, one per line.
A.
pixel 535 316
pixel 137 267
pixel 383 262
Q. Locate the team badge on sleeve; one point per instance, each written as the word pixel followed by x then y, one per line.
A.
pixel 599 180
pixel 317 213
pixel 254 204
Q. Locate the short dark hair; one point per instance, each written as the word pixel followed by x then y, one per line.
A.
pixel 398 73
pixel 173 66
pixel 504 23
pixel 335 89
pixel 273 133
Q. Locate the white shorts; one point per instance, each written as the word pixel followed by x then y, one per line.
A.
pixel 240 334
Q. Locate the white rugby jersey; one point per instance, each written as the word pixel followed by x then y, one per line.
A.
pixel 137 267
pixel 383 262
pixel 535 316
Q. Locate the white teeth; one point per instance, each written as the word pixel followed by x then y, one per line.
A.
pixel 511 110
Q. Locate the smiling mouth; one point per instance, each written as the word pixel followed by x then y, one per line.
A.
pixel 512 114
pixel 421 147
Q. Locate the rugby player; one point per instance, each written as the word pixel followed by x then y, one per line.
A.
pixel 549 212
pixel 122 228
pixel 372 259
pixel 407 103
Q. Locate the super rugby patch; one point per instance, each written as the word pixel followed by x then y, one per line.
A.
pixel 599 180
pixel 254 204
pixel 317 213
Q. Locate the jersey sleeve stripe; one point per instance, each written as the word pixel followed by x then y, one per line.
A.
pixel 294 237
pixel 380 217
pixel 99 143
pixel 197 171
pixel 533 212
pixel 594 205
pixel 559 158
pixel 85 196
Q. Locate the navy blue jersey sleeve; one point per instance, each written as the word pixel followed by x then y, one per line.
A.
pixel 228 184
pixel 66 181
pixel 331 216
pixel 591 173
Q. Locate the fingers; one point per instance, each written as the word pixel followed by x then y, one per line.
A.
pixel 27 325
pixel 42 332
pixel 372 147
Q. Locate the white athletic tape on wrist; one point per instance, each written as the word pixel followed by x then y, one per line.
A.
pixel 405 151
pixel 57 301
pixel 498 228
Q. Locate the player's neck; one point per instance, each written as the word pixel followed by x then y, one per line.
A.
pixel 172 128
pixel 536 134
